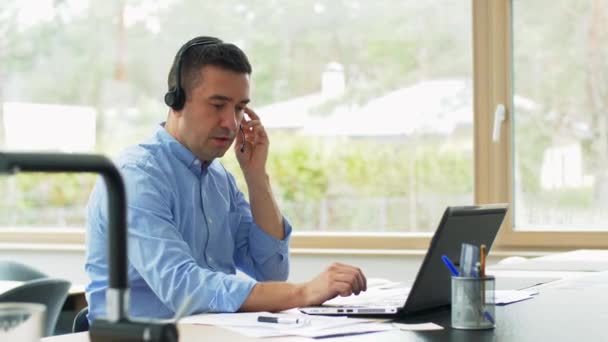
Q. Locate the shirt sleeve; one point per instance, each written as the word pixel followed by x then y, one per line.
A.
pixel 258 254
pixel 158 252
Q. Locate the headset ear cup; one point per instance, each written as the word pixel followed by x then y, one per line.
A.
pixel 170 98
pixel 174 99
pixel 180 100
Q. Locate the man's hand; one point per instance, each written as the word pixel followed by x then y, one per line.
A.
pixel 337 279
pixel 253 160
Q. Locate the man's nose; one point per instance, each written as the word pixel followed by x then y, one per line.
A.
pixel 228 120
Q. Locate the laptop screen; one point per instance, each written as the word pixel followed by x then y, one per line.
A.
pixel 475 225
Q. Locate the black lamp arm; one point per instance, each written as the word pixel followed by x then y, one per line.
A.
pixel 117 206
pixel 117 327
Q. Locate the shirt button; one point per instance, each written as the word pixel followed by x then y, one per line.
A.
pixel 197 162
pixel 210 221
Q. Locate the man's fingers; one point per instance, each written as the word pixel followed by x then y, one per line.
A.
pixel 362 279
pixel 348 280
pixel 254 130
pixel 251 113
pixel 343 289
pixel 250 124
pixel 354 275
pixel 358 274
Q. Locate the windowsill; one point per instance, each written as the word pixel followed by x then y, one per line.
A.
pixel 42 247
pixel 305 243
pixel 414 252
pixel 80 248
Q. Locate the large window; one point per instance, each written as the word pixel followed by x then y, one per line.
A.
pixel 560 82
pixel 549 160
pixel 380 113
pixel 369 104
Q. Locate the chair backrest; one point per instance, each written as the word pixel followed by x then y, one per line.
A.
pixel 10 270
pixel 50 292
pixel 81 322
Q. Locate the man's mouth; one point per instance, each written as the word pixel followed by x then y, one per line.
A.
pixel 223 138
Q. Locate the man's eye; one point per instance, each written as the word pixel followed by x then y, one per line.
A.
pixel 239 109
pixel 218 106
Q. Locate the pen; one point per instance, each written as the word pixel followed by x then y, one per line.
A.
pixel 450 265
pixel 488 316
pixel 482 261
pixel 280 320
pixel 482 272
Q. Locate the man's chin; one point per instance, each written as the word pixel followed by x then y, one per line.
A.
pixel 220 153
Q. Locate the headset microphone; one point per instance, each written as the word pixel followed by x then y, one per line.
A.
pixel 243 143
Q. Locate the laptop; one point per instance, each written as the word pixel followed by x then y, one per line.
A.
pixel 432 286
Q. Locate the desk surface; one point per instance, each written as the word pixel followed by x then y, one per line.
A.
pixel 566 310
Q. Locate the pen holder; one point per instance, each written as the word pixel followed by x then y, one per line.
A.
pixel 473 302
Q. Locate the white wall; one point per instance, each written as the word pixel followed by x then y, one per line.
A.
pixel 70 264
pixel 397 268
pixel 60 264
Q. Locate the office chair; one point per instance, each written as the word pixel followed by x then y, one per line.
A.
pixel 10 270
pixel 50 292
pixel 81 322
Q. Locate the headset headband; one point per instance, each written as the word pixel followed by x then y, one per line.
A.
pixel 175 97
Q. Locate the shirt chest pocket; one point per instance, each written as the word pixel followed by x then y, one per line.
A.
pixel 220 249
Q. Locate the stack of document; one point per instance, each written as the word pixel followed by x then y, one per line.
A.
pixel 308 326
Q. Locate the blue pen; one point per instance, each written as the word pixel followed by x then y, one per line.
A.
pixel 450 265
pixel 488 316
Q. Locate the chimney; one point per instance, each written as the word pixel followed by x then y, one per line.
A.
pixel 332 80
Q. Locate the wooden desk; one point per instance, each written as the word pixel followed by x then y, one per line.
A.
pixel 574 309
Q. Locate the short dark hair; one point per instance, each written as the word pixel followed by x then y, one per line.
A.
pixel 224 55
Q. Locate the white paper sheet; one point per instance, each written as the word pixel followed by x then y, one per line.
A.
pixel 418 326
pixel 504 297
pixel 316 326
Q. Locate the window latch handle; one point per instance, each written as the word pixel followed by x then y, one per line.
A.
pixel 499 118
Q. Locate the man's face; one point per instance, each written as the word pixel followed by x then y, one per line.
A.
pixel 210 119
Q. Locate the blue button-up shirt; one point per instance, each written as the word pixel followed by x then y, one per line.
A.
pixel 189 230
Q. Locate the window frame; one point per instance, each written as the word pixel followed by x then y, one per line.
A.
pixel 493 70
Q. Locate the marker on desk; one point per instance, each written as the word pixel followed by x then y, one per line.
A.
pixel 482 275
pixel 482 272
pixel 281 320
pixel 488 316
pixel 450 265
pixel 482 261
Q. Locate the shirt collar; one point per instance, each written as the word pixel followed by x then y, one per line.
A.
pixel 181 152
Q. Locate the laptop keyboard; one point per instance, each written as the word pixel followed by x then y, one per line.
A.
pixel 373 297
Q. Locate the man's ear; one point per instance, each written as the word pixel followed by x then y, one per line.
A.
pixel 174 113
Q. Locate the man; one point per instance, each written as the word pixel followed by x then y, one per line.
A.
pixel 190 228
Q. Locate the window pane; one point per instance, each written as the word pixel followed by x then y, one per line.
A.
pixel 368 103
pixel 560 114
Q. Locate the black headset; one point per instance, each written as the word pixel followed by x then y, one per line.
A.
pixel 176 97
